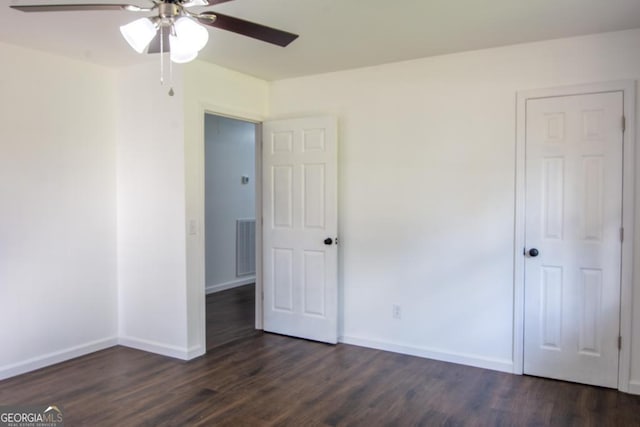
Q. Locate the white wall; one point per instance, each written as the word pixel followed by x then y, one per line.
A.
pixel 151 212
pixel 224 92
pixel 427 164
pixel 58 294
pixel 229 155
pixel 426 193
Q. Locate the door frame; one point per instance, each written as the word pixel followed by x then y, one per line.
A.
pixel 219 110
pixel 628 89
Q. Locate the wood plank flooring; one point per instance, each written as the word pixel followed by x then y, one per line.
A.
pixel 270 380
pixel 230 315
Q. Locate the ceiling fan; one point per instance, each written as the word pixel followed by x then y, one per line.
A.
pixel 173 27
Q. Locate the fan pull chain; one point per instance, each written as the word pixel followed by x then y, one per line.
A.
pixel 171 92
pixel 161 55
pixel 171 78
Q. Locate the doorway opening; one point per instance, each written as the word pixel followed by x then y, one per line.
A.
pixel 230 228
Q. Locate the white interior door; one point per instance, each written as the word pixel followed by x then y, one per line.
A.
pixel 573 219
pixel 300 228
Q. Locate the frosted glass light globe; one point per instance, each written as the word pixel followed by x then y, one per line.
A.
pixel 181 52
pixel 139 33
pixel 191 33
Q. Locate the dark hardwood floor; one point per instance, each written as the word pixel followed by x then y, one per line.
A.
pixel 230 315
pixel 270 380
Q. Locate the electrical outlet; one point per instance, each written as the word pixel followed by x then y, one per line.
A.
pixel 396 312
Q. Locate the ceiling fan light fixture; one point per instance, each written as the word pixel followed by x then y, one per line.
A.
pixel 172 18
pixel 190 33
pixel 139 33
pixel 181 52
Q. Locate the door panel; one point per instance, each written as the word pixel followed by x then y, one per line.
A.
pixel 300 212
pixel 573 217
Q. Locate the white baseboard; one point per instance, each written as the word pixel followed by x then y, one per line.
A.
pixel 55 357
pixel 502 365
pixel 634 387
pixel 195 351
pixel 210 289
pixel 176 352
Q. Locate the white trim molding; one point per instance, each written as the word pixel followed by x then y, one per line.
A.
pixel 162 349
pixel 502 365
pixel 259 228
pixel 55 357
pixel 634 387
pixel 212 289
pixel 628 89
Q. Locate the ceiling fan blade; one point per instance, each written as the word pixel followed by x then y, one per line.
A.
pixel 212 2
pixel 76 7
pixel 204 2
pixel 249 29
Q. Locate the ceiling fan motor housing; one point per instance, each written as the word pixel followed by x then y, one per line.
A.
pixel 169 10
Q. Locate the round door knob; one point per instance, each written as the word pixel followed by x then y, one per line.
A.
pixel 533 252
pixel 328 241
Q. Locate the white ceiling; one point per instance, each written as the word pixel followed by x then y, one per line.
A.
pixel 334 34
